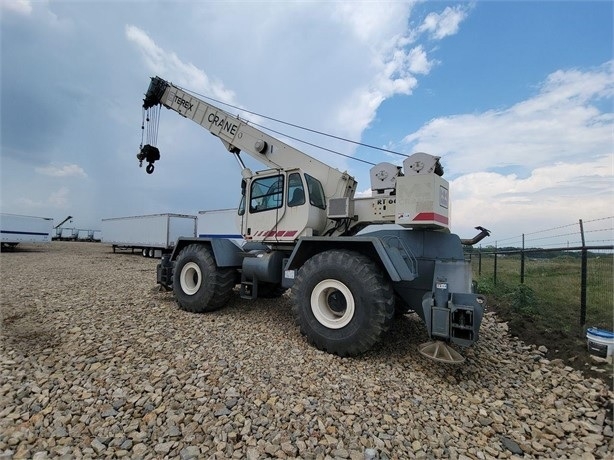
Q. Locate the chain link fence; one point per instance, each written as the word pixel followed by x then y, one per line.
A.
pixel 568 287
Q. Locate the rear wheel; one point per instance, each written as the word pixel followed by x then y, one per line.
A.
pixel 343 303
pixel 199 285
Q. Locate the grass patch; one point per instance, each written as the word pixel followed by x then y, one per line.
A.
pixel 545 309
pixel 551 292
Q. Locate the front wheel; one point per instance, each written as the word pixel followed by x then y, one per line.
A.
pixel 343 303
pixel 198 283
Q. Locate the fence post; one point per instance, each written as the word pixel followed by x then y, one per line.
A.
pixel 522 262
pixel 583 276
pixel 495 267
pixel 480 262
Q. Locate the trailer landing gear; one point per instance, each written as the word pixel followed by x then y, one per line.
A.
pixel 440 351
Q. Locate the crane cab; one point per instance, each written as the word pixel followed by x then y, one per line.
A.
pixel 281 206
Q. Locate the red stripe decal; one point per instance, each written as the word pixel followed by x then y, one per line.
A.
pixel 276 234
pixel 431 216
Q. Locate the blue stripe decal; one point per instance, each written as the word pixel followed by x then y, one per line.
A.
pixel 219 235
pixel 11 232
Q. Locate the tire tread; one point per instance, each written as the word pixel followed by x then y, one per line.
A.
pixel 219 282
pixel 374 285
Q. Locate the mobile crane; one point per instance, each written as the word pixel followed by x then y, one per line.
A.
pixel 302 226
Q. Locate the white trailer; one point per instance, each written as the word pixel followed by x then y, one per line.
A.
pixel 152 234
pixel 69 234
pixel 86 235
pixel 15 229
pixel 219 223
pixel 57 233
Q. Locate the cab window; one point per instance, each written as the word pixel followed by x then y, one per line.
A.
pixel 242 206
pixel 316 192
pixel 242 203
pixel 296 190
pixel 266 193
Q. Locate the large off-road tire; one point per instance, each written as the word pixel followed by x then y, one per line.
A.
pixel 343 303
pixel 199 285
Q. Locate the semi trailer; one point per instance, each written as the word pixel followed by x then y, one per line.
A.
pixel 16 228
pixel 300 220
pixel 68 234
pixel 219 223
pixel 152 235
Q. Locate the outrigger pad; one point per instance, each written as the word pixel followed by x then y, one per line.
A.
pixel 440 351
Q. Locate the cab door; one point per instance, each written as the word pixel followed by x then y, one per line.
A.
pixel 263 206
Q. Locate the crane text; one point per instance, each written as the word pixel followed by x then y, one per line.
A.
pixel 222 123
pixel 187 104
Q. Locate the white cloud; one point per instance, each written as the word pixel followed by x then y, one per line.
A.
pixel 17 6
pixel 372 22
pixel 59 198
pixel 25 203
pixel 41 204
pixel 562 121
pixel 388 65
pixel 558 143
pixel 418 61
pixel 357 55
pixel 38 11
pixel 395 65
pixel 441 25
pixel 567 179
pixel 70 170
pixel 170 66
pixel 551 196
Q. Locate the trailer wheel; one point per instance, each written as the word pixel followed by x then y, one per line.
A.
pixel 199 285
pixel 343 303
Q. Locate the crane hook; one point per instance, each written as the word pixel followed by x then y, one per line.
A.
pixel 150 154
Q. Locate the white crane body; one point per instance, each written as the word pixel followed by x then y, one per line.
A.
pixel 302 218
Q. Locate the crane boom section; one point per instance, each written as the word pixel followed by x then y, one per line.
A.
pixel 238 136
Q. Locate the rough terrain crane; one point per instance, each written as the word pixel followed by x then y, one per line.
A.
pixel 305 230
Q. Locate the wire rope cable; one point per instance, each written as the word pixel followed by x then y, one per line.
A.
pixel 321 133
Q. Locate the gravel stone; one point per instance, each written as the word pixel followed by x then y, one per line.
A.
pixel 96 361
pixel 98 446
pixel 164 448
pixel 189 453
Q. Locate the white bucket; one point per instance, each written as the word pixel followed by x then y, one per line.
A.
pixel 600 342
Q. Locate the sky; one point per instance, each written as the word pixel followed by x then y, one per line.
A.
pixel 515 97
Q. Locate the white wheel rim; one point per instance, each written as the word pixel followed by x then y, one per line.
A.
pixel 321 302
pixel 190 278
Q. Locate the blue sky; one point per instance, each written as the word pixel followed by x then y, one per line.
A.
pixel 516 97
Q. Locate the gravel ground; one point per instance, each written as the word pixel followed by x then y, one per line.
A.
pixel 96 362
